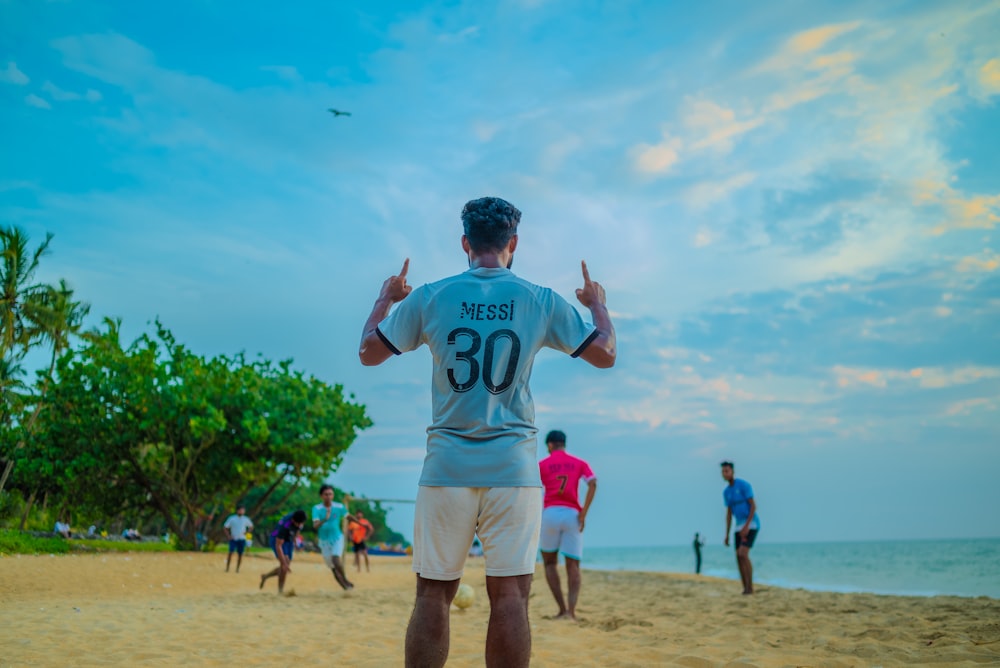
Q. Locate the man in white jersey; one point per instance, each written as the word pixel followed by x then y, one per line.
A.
pixel 480 476
pixel 237 526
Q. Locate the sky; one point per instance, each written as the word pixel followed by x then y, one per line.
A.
pixel 792 207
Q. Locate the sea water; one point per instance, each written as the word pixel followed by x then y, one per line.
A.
pixel 962 567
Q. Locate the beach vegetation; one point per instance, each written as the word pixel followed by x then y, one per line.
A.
pixel 32 315
pixel 151 430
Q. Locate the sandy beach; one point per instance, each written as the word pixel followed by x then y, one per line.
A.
pixel 169 609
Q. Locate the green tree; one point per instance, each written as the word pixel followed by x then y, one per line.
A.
pixel 154 426
pixel 31 314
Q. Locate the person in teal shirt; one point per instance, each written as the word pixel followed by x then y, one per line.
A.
pixel 328 520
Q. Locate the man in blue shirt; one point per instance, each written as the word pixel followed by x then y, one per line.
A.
pixel 738 497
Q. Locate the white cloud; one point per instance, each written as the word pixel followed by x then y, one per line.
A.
pixel 989 76
pixel 704 194
pixel 12 75
pixel 33 100
pixel 284 72
pixel 714 126
pixel 702 238
pixel 926 378
pixel 58 94
pixel 658 158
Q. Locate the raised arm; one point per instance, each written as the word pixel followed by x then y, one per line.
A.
pixel 373 350
pixel 602 351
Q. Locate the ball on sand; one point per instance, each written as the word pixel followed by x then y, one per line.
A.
pixel 465 596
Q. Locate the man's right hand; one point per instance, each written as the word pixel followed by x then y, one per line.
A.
pixel 726 541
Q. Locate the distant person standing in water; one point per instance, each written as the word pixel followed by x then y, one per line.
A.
pixel 698 542
pixel 563 519
pixel 738 497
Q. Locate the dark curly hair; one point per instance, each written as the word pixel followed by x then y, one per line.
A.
pixel 489 223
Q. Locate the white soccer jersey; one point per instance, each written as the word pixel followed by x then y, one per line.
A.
pixel 483 328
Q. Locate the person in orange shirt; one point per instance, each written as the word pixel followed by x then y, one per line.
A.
pixel 360 530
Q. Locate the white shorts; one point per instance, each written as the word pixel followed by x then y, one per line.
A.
pixel 331 550
pixel 506 519
pixel 561 532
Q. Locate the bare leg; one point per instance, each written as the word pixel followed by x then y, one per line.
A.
pixel 551 561
pixel 239 561
pixel 339 575
pixel 746 569
pixel 368 568
pixel 427 636
pixel 229 557
pixel 575 580
pixel 269 574
pixel 282 575
pixel 357 559
pixel 508 638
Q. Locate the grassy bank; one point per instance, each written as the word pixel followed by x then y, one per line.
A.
pixel 19 542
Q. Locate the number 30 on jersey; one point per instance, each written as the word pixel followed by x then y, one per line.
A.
pixel 468 343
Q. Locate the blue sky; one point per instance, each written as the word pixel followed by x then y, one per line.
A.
pixel 793 208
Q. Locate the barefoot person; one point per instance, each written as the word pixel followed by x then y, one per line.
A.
pixel 483 328
pixel 563 519
pixel 328 520
pixel 236 526
pixel 282 542
pixel 738 496
pixel 361 531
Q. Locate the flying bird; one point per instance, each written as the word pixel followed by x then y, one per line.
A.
pixel 337 112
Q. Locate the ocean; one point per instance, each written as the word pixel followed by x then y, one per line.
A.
pixel 961 567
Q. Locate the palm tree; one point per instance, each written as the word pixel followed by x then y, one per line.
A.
pixel 30 313
pixel 19 297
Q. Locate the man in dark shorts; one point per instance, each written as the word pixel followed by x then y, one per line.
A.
pixel 237 526
pixel 282 542
pixel 360 531
pixel 738 497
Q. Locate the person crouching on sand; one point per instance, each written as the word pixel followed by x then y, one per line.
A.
pixel 282 542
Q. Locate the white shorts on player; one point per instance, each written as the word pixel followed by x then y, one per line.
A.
pixel 561 532
pixel 506 519
pixel 331 549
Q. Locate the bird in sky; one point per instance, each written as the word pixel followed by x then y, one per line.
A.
pixel 337 112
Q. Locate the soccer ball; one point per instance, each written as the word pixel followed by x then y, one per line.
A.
pixel 465 596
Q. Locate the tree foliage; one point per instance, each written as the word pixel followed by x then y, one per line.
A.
pixel 31 314
pixel 152 426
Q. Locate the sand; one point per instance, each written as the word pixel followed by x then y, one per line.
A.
pixel 171 609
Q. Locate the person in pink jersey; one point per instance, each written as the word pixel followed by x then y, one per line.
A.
pixel 563 519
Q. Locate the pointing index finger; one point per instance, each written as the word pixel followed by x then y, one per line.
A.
pixel 586 274
pixel 406 267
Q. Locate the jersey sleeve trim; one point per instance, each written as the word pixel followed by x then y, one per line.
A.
pixel 388 344
pixel 587 342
